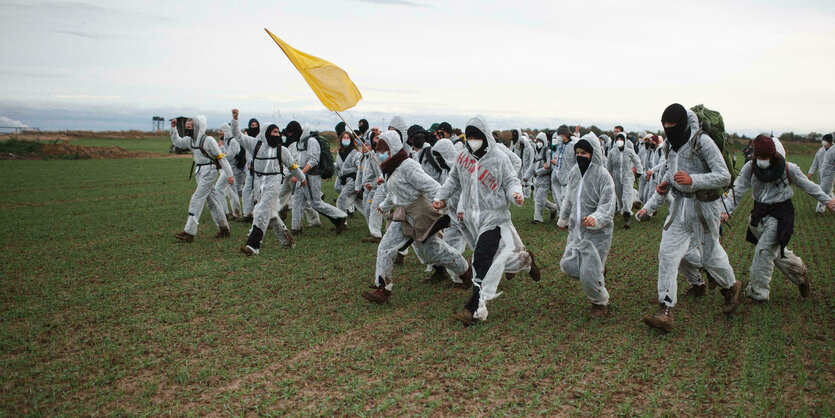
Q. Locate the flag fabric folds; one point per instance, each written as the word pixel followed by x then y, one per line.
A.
pixel 331 84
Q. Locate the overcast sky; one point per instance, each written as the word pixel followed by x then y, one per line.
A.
pixel 766 65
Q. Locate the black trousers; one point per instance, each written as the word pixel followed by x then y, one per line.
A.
pixel 485 250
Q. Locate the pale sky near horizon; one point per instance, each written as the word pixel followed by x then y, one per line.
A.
pixel 766 65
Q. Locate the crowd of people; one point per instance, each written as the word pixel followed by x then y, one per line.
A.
pixel 441 191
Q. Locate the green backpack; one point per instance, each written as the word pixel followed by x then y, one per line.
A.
pixel 711 123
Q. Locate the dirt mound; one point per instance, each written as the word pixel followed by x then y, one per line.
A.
pixel 66 150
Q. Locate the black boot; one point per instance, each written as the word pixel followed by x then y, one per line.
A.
pixel 626 220
pixel 255 237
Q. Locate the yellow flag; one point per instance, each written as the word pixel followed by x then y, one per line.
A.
pixel 330 83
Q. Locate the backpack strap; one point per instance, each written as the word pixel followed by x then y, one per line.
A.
pixel 214 161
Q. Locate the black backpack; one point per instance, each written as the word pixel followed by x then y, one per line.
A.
pixel 326 167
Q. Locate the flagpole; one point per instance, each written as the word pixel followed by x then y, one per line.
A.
pixel 357 138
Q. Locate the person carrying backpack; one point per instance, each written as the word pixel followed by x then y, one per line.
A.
pixel 309 157
pixel 209 160
pixel 771 223
pixel 695 166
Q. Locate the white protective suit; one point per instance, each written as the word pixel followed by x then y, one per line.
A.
pixel 586 248
pixel 486 187
pixel 826 173
pixel 273 167
pixel 369 172
pixel 767 251
pixel 646 157
pixel 455 234
pixel 620 164
pixel 690 218
pixel 206 175
pixel 346 173
pixel 286 199
pixel 524 150
pixel 404 186
pixel 562 161
pixel 427 162
pixel 311 193
pixel 231 148
pixel 540 172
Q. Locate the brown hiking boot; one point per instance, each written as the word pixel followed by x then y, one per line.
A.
pixel 379 295
pixel 509 276
pixel 466 278
pixel 247 219
pixel 296 232
pixel 535 222
pixel 246 249
pixel 465 316
pixel 222 233
pixel 371 239
pixel 695 290
pixel 598 311
pixel 291 242
pixel 534 273
pixel 184 236
pixel 553 215
pixel 341 226
pixel 805 288
pixel 440 275
pixel 662 319
pixel 398 259
pixel 626 220
pixel 732 297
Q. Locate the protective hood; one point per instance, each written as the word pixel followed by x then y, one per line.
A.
pixel 479 123
pixel 606 139
pixel 597 155
pixel 518 134
pixel 293 132
pixel 392 139
pixel 253 134
pixel 227 132
pixel 447 150
pixel 542 137
pixel 400 125
pixel 272 140
pixel 262 133
pixel 199 123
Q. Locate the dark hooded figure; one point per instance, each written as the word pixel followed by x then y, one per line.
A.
pixel 293 133
pixel 419 138
pixel 254 128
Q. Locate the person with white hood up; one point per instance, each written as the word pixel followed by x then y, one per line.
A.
pixel 484 177
pixel 540 172
pixel 247 188
pixel 645 155
pixel 819 164
pixel 347 166
pixel 369 172
pixel 422 152
pixel 271 164
pixel 408 190
pixel 308 150
pixel 771 223
pixel 695 168
pixel 562 161
pixel 587 210
pixel 623 164
pixel 522 147
pixel 206 153
pixel 233 150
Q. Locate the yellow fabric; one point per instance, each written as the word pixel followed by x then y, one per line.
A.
pixel 295 166
pixel 219 156
pixel 330 83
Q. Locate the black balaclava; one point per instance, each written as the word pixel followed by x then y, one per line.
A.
pixel 679 134
pixel 583 162
pixel 363 125
pixel 253 132
pixel 272 140
pixel 473 132
pixel 293 132
pixel 189 132
pixel 446 127
pixel 514 137
pixel 339 129
pixel 417 136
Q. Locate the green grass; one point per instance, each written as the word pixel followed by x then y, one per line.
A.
pixel 151 144
pixel 103 312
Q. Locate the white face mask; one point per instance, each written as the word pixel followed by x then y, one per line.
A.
pixel 823 143
pixel 554 142
pixel 619 143
pixel 346 142
pixel 475 144
pixel 538 145
pixel 763 164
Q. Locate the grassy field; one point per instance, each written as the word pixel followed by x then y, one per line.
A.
pixel 103 312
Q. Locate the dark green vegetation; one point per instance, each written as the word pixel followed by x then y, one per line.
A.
pixel 102 311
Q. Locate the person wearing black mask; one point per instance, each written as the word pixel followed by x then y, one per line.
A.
pixel 247 187
pixel 771 223
pixel 307 152
pixel 422 152
pixel 690 169
pixel 587 211
pixel 271 163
